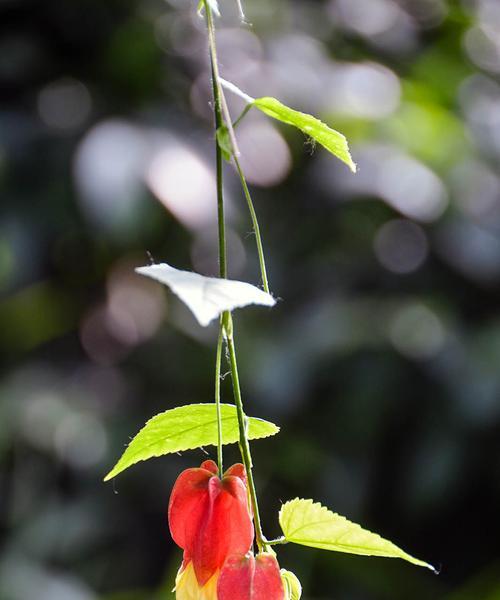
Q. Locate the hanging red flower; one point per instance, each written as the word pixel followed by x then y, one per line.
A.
pixel 249 578
pixel 210 520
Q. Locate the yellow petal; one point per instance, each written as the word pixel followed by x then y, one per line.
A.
pixel 188 588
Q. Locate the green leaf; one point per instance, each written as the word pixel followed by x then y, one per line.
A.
pixel 186 428
pixel 308 523
pixel 224 142
pixel 332 140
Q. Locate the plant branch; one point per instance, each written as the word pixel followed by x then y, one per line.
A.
pixel 217 399
pixel 244 444
pixel 220 215
pixel 218 123
pixel 255 223
pixel 235 153
pixel 242 115
pixel 227 322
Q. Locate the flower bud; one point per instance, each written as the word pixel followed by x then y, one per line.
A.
pixel 248 578
pixel 291 583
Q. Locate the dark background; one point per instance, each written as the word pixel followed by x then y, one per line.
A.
pixel 381 361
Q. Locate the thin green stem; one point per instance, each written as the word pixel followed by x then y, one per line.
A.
pixel 244 444
pixel 242 116
pixel 220 214
pixel 218 360
pixel 255 223
pixel 278 541
pixel 220 109
pixel 218 152
pixel 227 322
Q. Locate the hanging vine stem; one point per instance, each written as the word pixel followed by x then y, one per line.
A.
pixel 226 321
pixel 222 113
pixel 220 219
pixel 218 360
pixel 217 93
pixel 255 223
pixel 244 443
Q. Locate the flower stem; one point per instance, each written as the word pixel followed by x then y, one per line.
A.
pixel 218 152
pixel 226 322
pixel 217 399
pixel 220 216
pixel 243 114
pixel 255 223
pixel 221 111
pixel 244 444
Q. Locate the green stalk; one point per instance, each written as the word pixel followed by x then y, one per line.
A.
pixel 217 400
pixel 235 154
pixel 244 444
pixel 255 223
pixel 226 317
pixel 242 116
pixel 220 107
pixel 220 216
pixel 217 92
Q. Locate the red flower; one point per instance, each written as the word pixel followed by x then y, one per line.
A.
pixel 249 578
pixel 209 519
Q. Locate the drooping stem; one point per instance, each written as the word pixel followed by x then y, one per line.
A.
pixel 218 360
pixel 218 152
pixel 255 223
pixel 226 323
pixel 244 444
pixel 221 221
pixel 221 113
pixel 243 114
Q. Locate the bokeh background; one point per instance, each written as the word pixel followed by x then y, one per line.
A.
pixel 381 362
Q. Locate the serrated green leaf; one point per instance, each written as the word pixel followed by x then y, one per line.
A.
pixel 224 142
pixel 310 524
pixel 186 428
pixel 332 140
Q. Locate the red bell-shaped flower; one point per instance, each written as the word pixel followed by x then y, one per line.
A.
pixel 249 578
pixel 209 517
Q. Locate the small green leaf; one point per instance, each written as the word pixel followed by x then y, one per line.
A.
pixel 186 428
pixel 224 142
pixel 332 140
pixel 308 523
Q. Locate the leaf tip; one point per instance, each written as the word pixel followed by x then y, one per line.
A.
pixel 435 570
pixel 421 563
pixel 116 470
